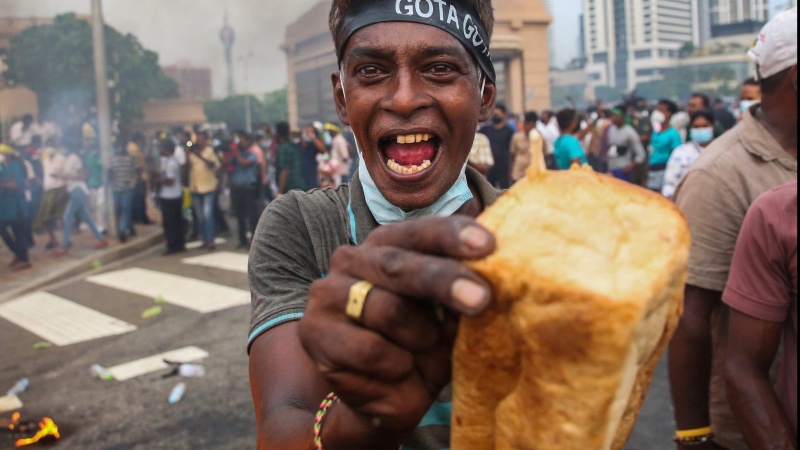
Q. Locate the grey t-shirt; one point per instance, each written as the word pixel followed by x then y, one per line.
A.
pixel 624 147
pixel 294 241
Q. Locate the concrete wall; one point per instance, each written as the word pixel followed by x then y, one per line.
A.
pixel 166 114
pixel 15 103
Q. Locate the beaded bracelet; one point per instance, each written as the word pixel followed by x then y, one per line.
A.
pixel 324 407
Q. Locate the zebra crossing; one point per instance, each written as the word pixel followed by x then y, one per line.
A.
pixel 65 321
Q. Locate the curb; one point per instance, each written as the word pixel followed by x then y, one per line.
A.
pixel 87 264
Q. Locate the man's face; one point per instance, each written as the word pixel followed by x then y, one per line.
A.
pixel 529 125
pixel 499 116
pixel 695 104
pixel 664 109
pixel 413 98
pixel 750 93
pixel 618 120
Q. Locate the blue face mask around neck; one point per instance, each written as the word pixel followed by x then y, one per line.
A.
pixel 386 213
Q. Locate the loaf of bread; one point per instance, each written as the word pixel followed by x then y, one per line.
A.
pixel 588 285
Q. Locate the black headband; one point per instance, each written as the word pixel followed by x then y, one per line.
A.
pixel 457 17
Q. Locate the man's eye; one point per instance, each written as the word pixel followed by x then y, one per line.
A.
pixel 441 69
pixel 369 71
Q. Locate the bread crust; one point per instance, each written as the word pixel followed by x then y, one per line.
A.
pixel 548 365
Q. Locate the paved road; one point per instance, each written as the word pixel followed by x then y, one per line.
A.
pixel 206 307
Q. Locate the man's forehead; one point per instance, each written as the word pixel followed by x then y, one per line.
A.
pixel 393 38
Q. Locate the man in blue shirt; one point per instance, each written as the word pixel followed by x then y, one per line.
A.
pixel 568 149
pixel 13 214
pixel 244 188
pixel 663 143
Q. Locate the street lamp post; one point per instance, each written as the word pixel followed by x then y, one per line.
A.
pixel 103 107
pixel 248 110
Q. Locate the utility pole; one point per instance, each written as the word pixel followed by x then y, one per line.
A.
pixel 248 109
pixel 103 106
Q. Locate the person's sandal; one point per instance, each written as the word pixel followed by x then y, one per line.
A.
pixel 20 266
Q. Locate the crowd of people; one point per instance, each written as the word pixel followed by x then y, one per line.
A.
pixel 395 237
pixel 651 144
pixel 53 180
pixel 730 168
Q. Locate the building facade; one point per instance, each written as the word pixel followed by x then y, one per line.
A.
pixel 519 50
pixel 634 41
pixel 194 83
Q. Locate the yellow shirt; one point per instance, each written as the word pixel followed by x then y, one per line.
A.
pixel 134 150
pixel 202 178
pixel 522 150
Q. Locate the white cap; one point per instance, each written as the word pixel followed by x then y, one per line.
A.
pixel 775 50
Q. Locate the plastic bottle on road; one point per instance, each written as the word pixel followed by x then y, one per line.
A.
pixel 101 372
pixel 177 393
pixel 191 370
pixel 21 386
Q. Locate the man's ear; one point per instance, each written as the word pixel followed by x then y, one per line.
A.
pixel 339 98
pixel 488 101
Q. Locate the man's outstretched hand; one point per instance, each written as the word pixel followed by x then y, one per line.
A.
pixel 389 368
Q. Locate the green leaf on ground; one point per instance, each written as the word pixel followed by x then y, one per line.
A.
pixel 160 299
pixel 42 345
pixel 149 313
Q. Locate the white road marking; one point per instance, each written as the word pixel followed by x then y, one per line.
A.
pixel 197 295
pixel 234 262
pixel 197 244
pixel 10 403
pixel 154 363
pixel 61 321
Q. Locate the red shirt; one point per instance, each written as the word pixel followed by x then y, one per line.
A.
pixel 763 282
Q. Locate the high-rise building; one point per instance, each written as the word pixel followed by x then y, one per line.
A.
pixel 725 18
pixel 634 41
pixel 551 35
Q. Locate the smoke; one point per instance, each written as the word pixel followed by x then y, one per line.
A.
pixel 188 30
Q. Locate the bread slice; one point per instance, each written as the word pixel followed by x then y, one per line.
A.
pixel 588 288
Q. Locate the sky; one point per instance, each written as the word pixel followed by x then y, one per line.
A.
pixel 188 30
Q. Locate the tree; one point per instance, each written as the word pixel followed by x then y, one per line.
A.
pixel 687 49
pixel 232 111
pixel 276 106
pixel 56 62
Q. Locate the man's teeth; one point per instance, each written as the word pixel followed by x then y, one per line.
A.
pixel 414 138
pixel 407 170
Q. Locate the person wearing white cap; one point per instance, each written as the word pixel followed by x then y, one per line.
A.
pixel 756 156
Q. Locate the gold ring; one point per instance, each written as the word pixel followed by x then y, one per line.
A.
pixel 357 299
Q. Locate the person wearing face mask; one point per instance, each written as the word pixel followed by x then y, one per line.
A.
pixel 663 143
pixel 413 89
pixel 500 135
pixel 54 198
pixel 13 215
pixel 749 96
pixel 701 135
pixel 312 146
pixel 756 156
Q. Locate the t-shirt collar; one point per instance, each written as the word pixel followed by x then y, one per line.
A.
pixel 759 141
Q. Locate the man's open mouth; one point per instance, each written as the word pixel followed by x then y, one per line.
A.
pixel 409 154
